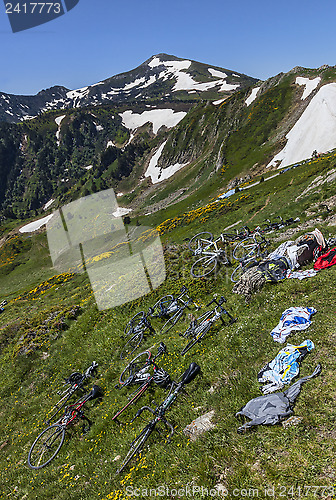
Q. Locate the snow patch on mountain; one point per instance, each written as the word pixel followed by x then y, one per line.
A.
pixel 35 225
pixel 310 85
pixel 252 96
pixel 184 81
pixel 218 102
pixel 121 211
pixel 58 121
pixel 315 129
pixel 158 117
pixel 216 73
pixel 158 174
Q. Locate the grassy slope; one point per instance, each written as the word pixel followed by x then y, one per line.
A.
pixel 230 358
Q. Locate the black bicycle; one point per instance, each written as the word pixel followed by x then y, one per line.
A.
pixel 138 372
pixel 172 308
pixel 136 329
pixel 199 327
pixel 159 415
pixel 48 444
pixel 74 383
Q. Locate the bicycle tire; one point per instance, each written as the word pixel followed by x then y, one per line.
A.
pixel 160 305
pixel 53 442
pixel 131 345
pixel 237 273
pixel 137 320
pixel 240 270
pixel 140 361
pixel 171 322
pixel 195 340
pixel 245 249
pixel 203 267
pixel 136 446
pixel 199 242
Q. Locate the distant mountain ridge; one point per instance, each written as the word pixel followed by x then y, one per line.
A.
pixel 162 77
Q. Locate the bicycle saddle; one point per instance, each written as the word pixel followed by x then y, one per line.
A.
pixel 190 373
pixel 96 392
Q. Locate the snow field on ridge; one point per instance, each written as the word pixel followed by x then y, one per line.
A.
pixel 315 129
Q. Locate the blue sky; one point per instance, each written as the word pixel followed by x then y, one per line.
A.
pixel 100 38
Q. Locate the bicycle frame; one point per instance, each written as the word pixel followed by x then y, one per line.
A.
pixel 200 326
pixel 138 443
pixel 49 442
pixel 133 379
pixel 209 252
pixel 76 384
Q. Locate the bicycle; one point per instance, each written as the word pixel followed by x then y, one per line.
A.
pixel 269 226
pixel 75 383
pixel 138 443
pixel 136 327
pixel 172 308
pixel 199 327
pixel 48 444
pixel 253 246
pixel 212 251
pixel 138 372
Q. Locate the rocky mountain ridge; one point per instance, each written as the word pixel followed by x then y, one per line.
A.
pixel 162 78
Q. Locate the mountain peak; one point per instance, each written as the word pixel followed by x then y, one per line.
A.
pixel 163 77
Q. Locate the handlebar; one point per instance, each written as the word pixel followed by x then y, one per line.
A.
pixel 161 350
pixel 219 302
pixel 138 413
pixel 92 370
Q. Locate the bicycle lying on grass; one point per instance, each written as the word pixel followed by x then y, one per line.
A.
pixel 212 253
pixel 159 415
pixel 169 308
pixel 269 226
pixel 136 328
pixel 249 253
pixel 172 308
pixel 138 372
pixel 74 383
pixel 199 327
pixel 254 246
pixel 48 444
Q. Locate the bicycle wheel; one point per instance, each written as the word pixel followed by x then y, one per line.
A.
pixel 202 331
pixel 237 273
pixel 136 321
pixel 171 322
pixel 160 307
pixel 131 345
pixel 135 366
pixel 136 446
pixel 241 269
pixel 245 249
pixel 199 242
pixel 203 266
pixel 46 446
